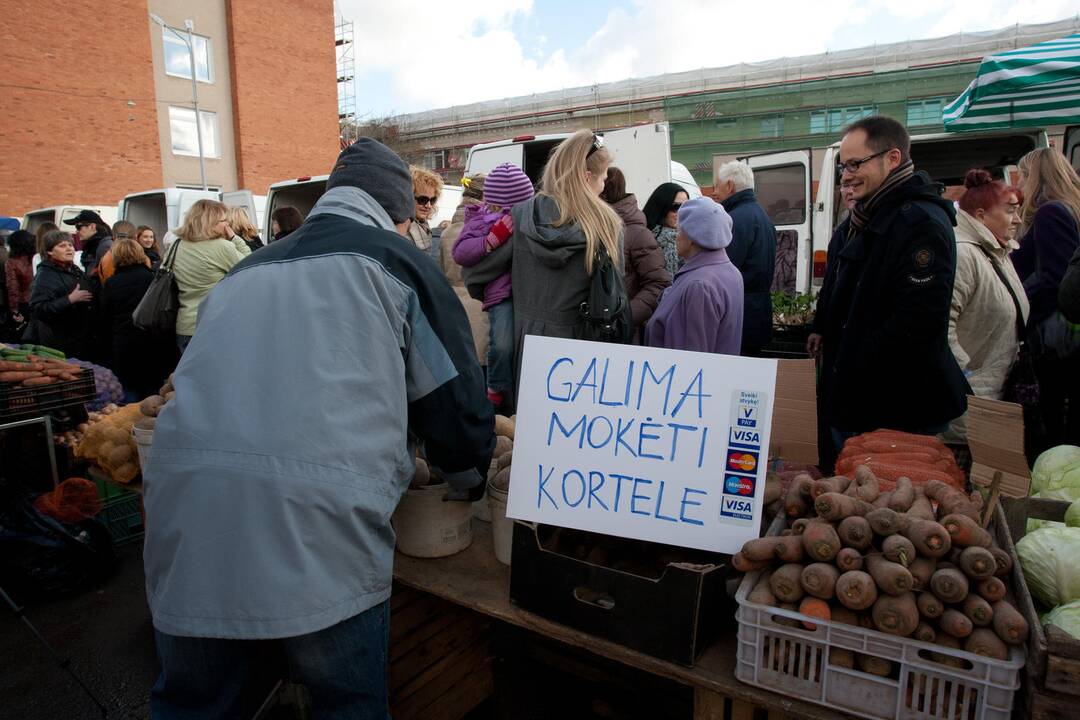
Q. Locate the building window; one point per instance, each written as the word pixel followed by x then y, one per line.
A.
pixel 178 60
pixel 185 140
pixel 772 126
pixel 834 120
pixel 440 160
pixel 925 112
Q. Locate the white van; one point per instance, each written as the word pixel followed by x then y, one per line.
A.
pixel 164 209
pixel 303 192
pixel 785 183
pixel 59 213
pixel 642 152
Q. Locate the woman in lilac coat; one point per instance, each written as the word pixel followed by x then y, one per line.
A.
pixel 703 309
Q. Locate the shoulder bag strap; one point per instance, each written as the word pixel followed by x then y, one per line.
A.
pixel 170 258
pixel 1020 330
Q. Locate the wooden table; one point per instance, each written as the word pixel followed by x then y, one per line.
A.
pixel 474 579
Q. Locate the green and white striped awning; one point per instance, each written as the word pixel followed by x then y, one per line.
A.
pixel 1034 86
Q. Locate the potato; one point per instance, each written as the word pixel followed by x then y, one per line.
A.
pixel 422 474
pixel 502 480
pixel 151 406
pixel 146 423
pixel 504 427
pixel 504 461
pixel 119 455
pixel 170 395
pixel 166 388
pixel 503 445
pixel 126 472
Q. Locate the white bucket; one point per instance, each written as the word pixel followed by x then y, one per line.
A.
pixel 502 527
pixel 428 527
pixel 143 440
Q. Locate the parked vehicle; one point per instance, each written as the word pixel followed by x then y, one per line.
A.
pixel 59 213
pixel 164 209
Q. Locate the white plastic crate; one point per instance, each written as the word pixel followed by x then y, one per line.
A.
pixel 794 661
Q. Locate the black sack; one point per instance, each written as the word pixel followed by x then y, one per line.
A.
pixel 606 313
pixel 156 312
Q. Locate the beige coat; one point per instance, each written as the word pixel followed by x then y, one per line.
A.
pixel 982 319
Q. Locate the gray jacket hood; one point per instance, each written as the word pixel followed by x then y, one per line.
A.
pixel 553 246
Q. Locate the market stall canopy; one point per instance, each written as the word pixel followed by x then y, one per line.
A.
pixel 1033 86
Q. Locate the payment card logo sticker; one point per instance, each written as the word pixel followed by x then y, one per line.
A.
pixel 737 508
pixel 747 416
pixel 736 485
pixel 741 461
pixel 742 438
pixel 745 406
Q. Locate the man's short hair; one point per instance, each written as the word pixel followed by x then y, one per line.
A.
pixel 738 172
pixel 883 133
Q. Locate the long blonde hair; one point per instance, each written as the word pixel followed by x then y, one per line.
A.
pixel 200 220
pixel 1048 177
pixel 240 222
pixel 564 182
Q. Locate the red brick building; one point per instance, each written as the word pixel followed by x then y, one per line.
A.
pixel 97 99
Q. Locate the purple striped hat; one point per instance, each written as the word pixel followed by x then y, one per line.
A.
pixel 506 186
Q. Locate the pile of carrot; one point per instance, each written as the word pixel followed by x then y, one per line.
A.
pixel 891 454
pixel 912 561
pixel 37 370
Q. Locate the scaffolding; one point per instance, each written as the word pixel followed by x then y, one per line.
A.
pixel 346 78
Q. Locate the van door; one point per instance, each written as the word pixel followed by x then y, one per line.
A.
pixel 643 153
pixel 782 186
pixel 484 160
pixel 244 199
pixel 1072 146
pixel 187 199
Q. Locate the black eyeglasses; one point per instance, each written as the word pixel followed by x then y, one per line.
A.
pixel 597 143
pixel 425 200
pixel 675 207
pixel 853 166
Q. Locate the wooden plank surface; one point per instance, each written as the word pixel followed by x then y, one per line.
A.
pixel 476 580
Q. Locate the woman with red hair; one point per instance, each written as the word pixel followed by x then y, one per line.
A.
pixel 989 307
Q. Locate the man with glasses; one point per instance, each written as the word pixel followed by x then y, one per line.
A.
pixel 883 313
pixel 95 236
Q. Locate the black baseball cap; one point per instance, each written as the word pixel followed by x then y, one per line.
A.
pixel 86 216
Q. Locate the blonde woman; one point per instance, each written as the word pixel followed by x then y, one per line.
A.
pixel 206 248
pixel 240 224
pixel 427 187
pixel 1049 235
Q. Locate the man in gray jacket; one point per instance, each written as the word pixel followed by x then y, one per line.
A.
pixel 316 365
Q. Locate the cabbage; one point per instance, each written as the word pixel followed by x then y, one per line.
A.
pixel 1072 515
pixel 1066 617
pixel 1049 559
pixel 1058 468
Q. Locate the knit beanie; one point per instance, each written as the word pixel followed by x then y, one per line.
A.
pixel 705 223
pixel 474 186
pixel 506 186
pixel 377 170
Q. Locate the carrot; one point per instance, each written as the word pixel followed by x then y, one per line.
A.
pixel 921 570
pixel 795 502
pixel 928 537
pixel 991 589
pixel 925 632
pixel 786 583
pixel 38 381
pixel 978 610
pixel 948 641
pixel 949 585
pixel 889 472
pixel 767 548
pixel 1009 624
pixel 11 366
pixel 953 556
pixel 984 642
pixel 863 474
pixel 978 563
pixel 855 532
pixel 869 491
pixel 898 549
pixel 921 508
pixel 885 522
pixel 814 607
pixel 819 580
pixel 966 532
pixel 842 657
pixel 874 665
pixel 903 495
pixel 834 506
pixel 744 565
pixel 849 559
pixel 18 375
pixel 855 590
pixel 955 623
pixel 1004 562
pixel 950 500
pixel 821 541
pixel 929 605
pixel 843 614
pixel 825 485
pixel 799 525
pixel 892 578
pixel 762 593
pixel 882 500
pixel 896 614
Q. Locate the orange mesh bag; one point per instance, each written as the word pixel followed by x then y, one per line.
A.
pixel 74 500
pixel 891 454
pixel 108 443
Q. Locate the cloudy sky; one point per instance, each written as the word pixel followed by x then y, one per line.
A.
pixel 414 56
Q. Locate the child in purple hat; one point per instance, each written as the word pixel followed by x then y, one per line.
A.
pixel 487 226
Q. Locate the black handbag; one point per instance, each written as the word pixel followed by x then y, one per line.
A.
pixel 156 312
pixel 606 313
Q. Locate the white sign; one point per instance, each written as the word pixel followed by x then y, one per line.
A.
pixel 647 443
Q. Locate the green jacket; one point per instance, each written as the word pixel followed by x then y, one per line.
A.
pixel 198 267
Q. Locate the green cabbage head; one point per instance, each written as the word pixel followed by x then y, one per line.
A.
pixel 1058 469
pixel 1050 558
pixel 1066 617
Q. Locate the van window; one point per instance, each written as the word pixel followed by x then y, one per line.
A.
pixel 781 191
pixel 536 158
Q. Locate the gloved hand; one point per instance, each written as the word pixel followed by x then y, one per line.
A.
pixel 500 232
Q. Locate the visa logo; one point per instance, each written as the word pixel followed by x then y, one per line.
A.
pixel 751 437
pixel 737 508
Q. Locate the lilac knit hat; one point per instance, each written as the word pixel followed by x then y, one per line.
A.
pixel 506 186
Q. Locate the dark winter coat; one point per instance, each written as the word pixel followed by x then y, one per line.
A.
pixel 1043 257
pixel 153 257
pixel 1069 292
pixel 140 360
pixel 56 322
pixel 884 317
pixel 753 250
pixel 94 249
pixel 644 271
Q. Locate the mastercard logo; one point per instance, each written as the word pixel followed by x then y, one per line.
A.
pixel 742 462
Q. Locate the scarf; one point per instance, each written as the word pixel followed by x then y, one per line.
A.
pixel 863 211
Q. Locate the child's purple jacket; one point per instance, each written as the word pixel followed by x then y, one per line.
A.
pixel 470 248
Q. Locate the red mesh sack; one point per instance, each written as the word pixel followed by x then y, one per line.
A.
pixel 74 500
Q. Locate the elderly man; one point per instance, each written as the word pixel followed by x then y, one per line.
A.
pixel 752 250
pixel 318 363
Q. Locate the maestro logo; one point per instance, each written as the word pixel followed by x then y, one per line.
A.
pixel 735 485
pixel 742 461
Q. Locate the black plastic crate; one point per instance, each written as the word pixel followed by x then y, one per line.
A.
pixel 18 402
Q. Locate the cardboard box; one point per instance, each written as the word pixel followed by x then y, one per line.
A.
pixel 794 424
pixel 672 617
